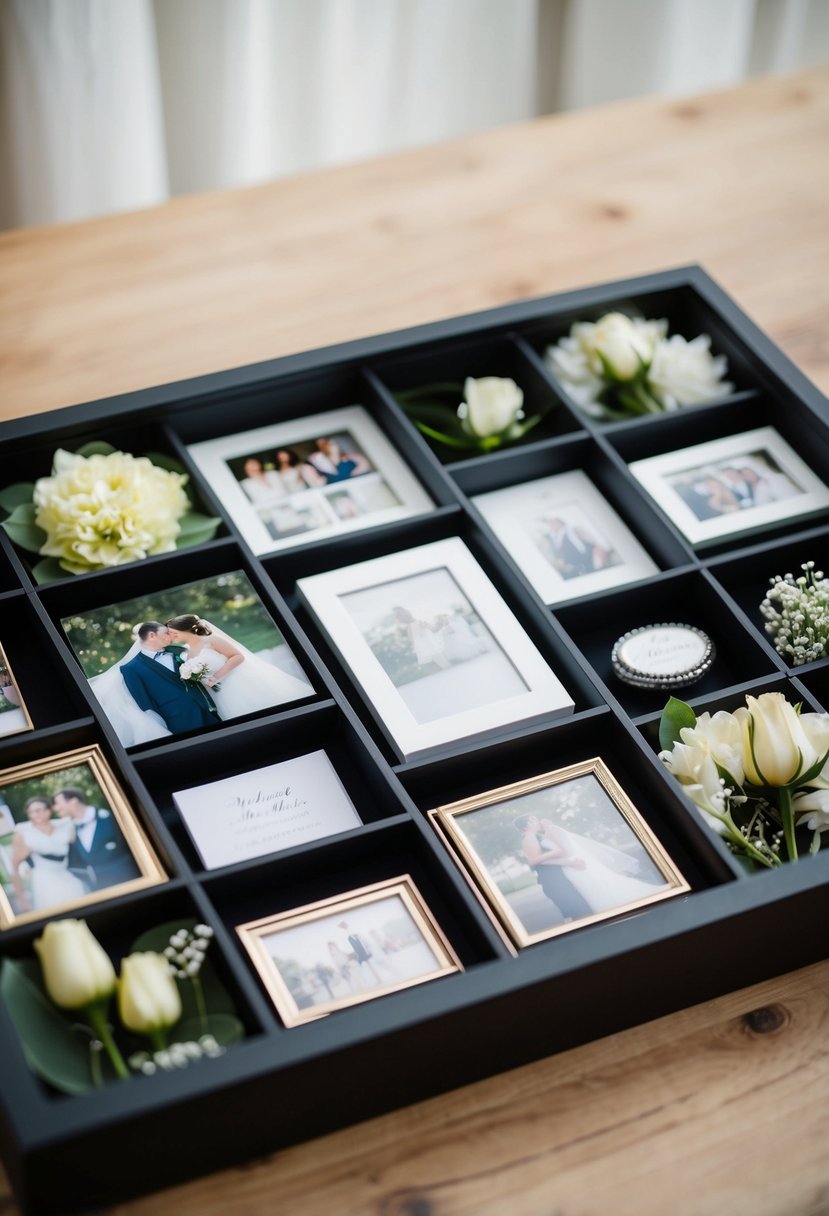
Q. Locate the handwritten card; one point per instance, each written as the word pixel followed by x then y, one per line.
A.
pixel 266 810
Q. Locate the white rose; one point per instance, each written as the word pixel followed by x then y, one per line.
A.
pixel 814 805
pixel 491 405
pixel 618 346
pixel 571 367
pixel 779 744
pixel 686 373
pixel 77 971
pixel 100 511
pixel 148 999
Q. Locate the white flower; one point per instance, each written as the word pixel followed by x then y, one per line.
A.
pixel 686 373
pixel 797 614
pixel 148 999
pixel 100 511
pixel 492 404
pixel 814 805
pixel 193 669
pixel 779 744
pixel 618 345
pixel 77 971
pixel 695 768
pixel 721 736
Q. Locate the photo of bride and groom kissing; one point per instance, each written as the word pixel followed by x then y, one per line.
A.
pixel 185 671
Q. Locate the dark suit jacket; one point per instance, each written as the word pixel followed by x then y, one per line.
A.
pixel 107 861
pixel 152 685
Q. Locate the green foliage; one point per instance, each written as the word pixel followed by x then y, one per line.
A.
pixel 675 716
pixel 22 529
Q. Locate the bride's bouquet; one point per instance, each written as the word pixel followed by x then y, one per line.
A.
pixel 196 671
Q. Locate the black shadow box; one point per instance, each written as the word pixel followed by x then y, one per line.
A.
pixel 67 1153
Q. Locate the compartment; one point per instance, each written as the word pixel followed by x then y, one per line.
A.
pixel 238 750
pixel 451 361
pixel 44 685
pixel 686 598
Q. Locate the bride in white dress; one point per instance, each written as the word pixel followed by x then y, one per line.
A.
pixel 42 843
pixel 608 878
pixel 239 682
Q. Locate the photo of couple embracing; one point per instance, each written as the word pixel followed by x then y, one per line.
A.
pixel 184 671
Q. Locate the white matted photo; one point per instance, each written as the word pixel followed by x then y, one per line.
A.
pixel 565 536
pixel 309 478
pixel 438 654
pixel 732 486
pixel 266 810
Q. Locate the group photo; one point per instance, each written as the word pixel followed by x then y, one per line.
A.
pixel 736 484
pixel 60 841
pixel 432 645
pixel 185 659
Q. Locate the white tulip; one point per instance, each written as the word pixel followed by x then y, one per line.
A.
pixel 148 999
pixel 779 744
pixel 491 405
pixel 77 971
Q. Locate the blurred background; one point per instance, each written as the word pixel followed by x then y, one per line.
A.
pixel 110 105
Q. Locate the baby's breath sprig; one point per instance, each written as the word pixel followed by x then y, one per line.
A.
pixel 177 1055
pixel 796 611
pixel 185 954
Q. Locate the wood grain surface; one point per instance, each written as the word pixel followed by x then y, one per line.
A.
pixel 718 1109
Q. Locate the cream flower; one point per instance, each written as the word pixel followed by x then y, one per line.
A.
pixel 100 511
pixel 686 373
pixel 695 768
pixel 77 971
pixel 814 806
pixel 491 405
pixel 721 736
pixel 148 999
pixel 779 744
pixel 617 345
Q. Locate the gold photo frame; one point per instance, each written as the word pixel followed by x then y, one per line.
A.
pixel 68 838
pixel 14 716
pixel 347 949
pixel 556 852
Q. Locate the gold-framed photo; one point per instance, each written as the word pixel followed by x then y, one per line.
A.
pixel 68 837
pixel 14 716
pixel 347 949
pixel 557 851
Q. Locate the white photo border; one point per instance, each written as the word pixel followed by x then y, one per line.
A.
pixel 212 455
pixel 651 473
pixel 504 511
pixel 545 695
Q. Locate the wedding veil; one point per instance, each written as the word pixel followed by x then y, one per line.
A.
pixel 131 724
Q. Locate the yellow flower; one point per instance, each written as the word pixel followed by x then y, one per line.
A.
pixel 100 511
pixel 148 999
pixel 779 744
pixel 77 971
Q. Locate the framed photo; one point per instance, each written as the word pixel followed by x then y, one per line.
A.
pixel 266 810
pixel 565 536
pixel 68 838
pixel 556 852
pixel 309 479
pixel 352 948
pixel 185 659
pixel 14 716
pixel 437 653
pixel 732 486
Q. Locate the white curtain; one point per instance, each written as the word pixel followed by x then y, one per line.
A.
pixel 113 104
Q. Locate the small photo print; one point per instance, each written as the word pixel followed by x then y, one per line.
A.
pixel 185 659
pixel 67 837
pixel 309 478
pixel 569 850
pixel 14 716
pixel 565 536
pixel 347 950
pixel 732 487
pixel 432 645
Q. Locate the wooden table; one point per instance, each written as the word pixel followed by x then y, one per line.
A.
pixel 721 1108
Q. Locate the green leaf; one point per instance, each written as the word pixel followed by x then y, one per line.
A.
pixel 216 997
pixel 47 570
pixel 812 772
pixel 16 495
pixel 224 1027
pixel 196 529
pixel 52 1049
pixel 463 445
pixel 23 530
pixel 162 461
pixel 441 418
pixel 675 716
pixel 96 447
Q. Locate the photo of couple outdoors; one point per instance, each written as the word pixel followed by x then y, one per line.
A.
pixel 432 645
pixel 347 954
pixel 560 854
pixel 59 841
pixel 571 543
pixel 737 484
pixel 310 484
pixel 185 659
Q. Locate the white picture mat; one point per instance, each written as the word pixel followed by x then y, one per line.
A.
pixel 511 512
pixel 212 455
pixel 545 695
pixel 266 810
pixel 653 472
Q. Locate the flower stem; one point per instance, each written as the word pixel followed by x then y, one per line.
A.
pixel 198 993
pixel 787 815
pixel 96 1016
pixel 158 1038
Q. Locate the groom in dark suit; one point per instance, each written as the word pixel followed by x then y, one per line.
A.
pixel 98 855
pixel 154 683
